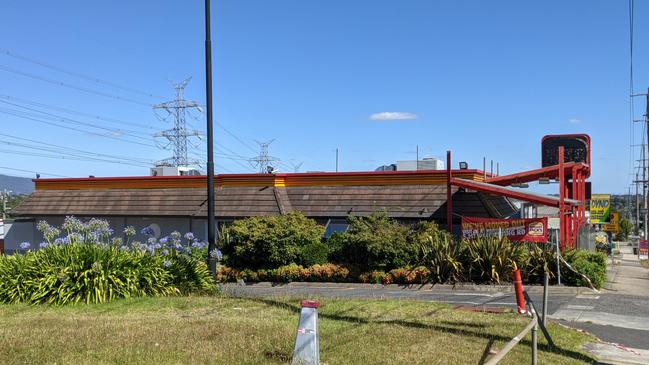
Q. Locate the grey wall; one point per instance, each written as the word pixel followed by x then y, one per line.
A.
pixel 26 231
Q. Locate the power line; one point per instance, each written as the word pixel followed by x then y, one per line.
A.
pixel 78 75
pixel 74 150
pixel 132 133
pixel 64 157
pixel 72 111
pixel 22 114
pixel 31 171
pixel 80 88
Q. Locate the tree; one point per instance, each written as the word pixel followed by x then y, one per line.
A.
pixel 625 228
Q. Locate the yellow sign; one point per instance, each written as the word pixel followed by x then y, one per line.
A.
pixel 614 226
pixel 600 208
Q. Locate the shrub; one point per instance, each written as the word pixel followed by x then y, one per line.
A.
pixel 537 259
pixel 492 260
pixel 88 265
pixel 590 264
pixel 328 272
pixel 314 253
pixel 374 242
pixel 440 253
pixel 269 242
pixel 82 273
pixel 417 275
pixel 290 273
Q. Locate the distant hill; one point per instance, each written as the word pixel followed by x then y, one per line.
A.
pixel 18 185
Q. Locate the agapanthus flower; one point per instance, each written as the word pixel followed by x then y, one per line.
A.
pixel 61 241
pixel 164 240
pixel 74 237
pixel 43 226
pixel 129 231
pixel 72 224
pixel 165 252
pixel 216 254
pixel 189 236
pixel 147 231
pixel 166 263
pixel 152 241
pixel 25 245
pixel 43 245
pixel 175 235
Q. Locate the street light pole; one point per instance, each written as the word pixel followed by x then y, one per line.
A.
pixel 211 224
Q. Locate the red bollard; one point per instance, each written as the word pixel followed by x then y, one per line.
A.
pixel 518 286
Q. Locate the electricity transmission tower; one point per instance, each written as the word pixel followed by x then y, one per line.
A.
pixel 177 137
pixel 263 162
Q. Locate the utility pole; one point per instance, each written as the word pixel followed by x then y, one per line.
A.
pixel 211 220
pixel 5 196
pixel 417 165
pixel 336 159
pixel 637 207
pixel 644 169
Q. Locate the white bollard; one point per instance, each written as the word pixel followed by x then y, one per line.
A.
pixel 307 340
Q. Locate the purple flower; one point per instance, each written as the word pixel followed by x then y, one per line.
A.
pixel 148 231
pixel 43 245
pixel 164 240
pixel 61 241
pixel 216 254
pixel 25 245
pixel 166 263
pixel 189 236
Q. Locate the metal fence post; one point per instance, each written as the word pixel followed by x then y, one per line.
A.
pixel 546 279
pixel 558 264
pixel 534 343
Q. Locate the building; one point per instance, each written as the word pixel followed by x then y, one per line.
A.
pixel 168 203
pixel 427 163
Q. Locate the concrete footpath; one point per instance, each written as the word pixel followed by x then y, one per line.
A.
pixel 618 315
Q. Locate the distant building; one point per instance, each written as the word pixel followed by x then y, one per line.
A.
pixel 427 163
pixel 168 203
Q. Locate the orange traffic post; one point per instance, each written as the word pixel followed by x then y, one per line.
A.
pixel 518 287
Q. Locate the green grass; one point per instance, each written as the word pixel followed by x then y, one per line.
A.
pixel 221 330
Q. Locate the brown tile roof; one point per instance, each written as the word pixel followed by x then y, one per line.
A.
pixel 405 201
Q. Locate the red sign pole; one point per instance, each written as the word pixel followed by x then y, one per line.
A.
pixel 562 195
pixel 449 197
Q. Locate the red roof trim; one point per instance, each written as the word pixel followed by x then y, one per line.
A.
pixel 256 175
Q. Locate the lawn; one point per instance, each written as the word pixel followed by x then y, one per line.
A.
pixel 221 330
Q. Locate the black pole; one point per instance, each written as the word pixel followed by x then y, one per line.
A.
pixel 211 224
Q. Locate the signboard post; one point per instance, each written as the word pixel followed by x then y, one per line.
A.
pixel 526 229
pixel 600 208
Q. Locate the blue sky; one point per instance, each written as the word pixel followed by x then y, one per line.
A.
pixel 482 78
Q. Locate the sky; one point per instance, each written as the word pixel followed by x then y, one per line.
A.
pixel 371 78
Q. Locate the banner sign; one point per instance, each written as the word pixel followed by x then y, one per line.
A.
pixel 526 229
pixel 600 208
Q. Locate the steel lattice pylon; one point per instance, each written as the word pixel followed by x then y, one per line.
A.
pixel 178 136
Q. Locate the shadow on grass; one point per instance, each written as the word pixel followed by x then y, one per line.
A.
pixel 433 327
pixel 487 351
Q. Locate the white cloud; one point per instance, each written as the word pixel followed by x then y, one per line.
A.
pixel 574 120
pixel 386 116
